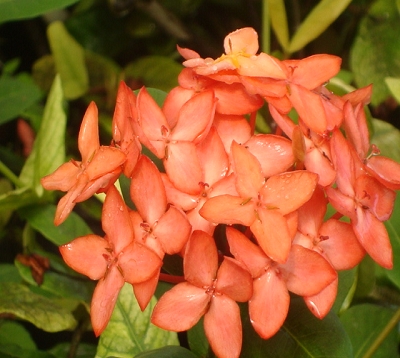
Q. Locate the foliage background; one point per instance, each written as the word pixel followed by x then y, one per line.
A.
pixel 92 45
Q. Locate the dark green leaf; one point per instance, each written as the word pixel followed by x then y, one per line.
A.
pixel 129 331
pixel 197 339
pixel 364 323
pixel 346 288
pixel 44 313
pixel 376 49
pixel 16 95
pixel 23 9
pixel 69 58
pixel 301 336
pixel 387 138
pixel 14 351
pixel 41 219
pixel 15 333
pixel 155 71
pixel 84 350
pixel 18 198
pixel 9 273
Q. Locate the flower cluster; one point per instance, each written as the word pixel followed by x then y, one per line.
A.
pixel 270 191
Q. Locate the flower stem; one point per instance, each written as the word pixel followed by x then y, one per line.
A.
pixel 10 175
pixel 381 337
pixel 171 278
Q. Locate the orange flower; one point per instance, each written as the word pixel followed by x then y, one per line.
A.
pixel 99 168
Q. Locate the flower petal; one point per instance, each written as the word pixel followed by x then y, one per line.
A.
pixel 321 303
pixel 269 305
pixel 104 298
pixel 110 155
pixel 223 327
pixel 244 40
pixel 180 308
pixel 87 255
pixel 144 291
pixel 88 140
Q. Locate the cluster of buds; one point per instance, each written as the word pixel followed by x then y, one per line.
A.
pixel 270 192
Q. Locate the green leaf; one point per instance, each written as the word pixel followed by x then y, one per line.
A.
pixel 197 339
pixel 155 71
pixel 16 95
pixel 9 273
pixel 364 323
pixel 392 226
pixel 15 333
pixel 394 87
pixel 24 9
pixel 279 22
pixel 302 336
pixel 44 313
pixel 376 49
pixel 129 331
pixel 14 351
pixel 49 148
pixel 317 21
pixel 41 217
pixel 168 352
pixel 387 138
pixel 69 58
pixel 17 198
pixel 84 350
pixel 346 288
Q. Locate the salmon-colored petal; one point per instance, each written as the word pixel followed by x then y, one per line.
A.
pixel 269 305
pixel 228 209
pixel 373 236
pixel 85 255
pixel 172 230
pixel 187 53
pixel 375 196
pixel 115 221
pixel 224 186
pixel 200 262
pixel 67 202
pixel 233 99
pixel 110 155
pixel 246 252
pixel 180 308
pixel 144 291
pixel 174 101
pixel 147 191
pixel 309 108
pixel 234 281
pixel 104 299
pixel 314 71
pixel 306 272
pixel 63 178
pixel 286 192
pixel 249 176
pixel 198 222
pixel 341 202
pixel 321 303
pixel 195 118
pixel 212 147
pixel 272 234
pixel 244 40
pixel 281 104
pixel 88 139
pixel 386 170
pixel 283 121
pixel 361 95
pixel 177 197
pixel 223 327
pixel 264 86
pixel 317 162
pixel 151 119
pixel 273 152
pixel 183 167
pixel 232 128
pixel 138 263
pixel 340 244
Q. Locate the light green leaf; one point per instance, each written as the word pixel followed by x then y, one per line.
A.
pixel 41 217
pixel 155 71
pixel 129 331
pixel 69 58
pixel 168 352
pixel 279 23
pixel 49 148
pixel 375 52
pixel 394 87
pixel 16 95
pixel 317 21
pixel 24 9
pixel 364 323
pixel 302 336
pixel 44 313
pixel 17 198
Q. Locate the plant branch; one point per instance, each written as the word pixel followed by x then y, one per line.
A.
pixel 10 175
